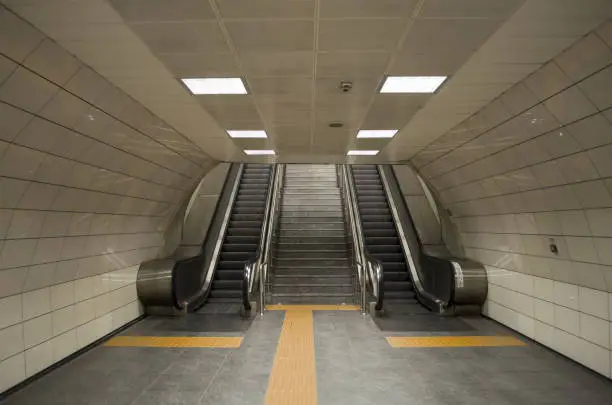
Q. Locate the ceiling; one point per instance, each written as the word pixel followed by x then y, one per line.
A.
pixel 293 54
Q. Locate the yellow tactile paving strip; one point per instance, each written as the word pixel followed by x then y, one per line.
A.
pixel 454 341
pixel 293 379
pixel 313 307
pixel 175 341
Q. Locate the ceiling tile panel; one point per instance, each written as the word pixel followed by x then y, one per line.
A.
pixel 366 8
pixel 360 34
pixel 267 35
pixel 470 8
pixel 182 37
pixel 277 64
pixel 232 112
pixel 298 87
pixel 200 64
pixel 393 111
pixel 431 63
pixel 279 111
pixel 263 9
pixel 350 65
pixel 442 34
pixel 163 10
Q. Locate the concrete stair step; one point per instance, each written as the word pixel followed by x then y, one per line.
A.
pixel 323 271
pixel 311 254
pixel 303 279
pixel 310 237
pixel 311 299
pixel 321 245
pixel 300 289
pixel 310 262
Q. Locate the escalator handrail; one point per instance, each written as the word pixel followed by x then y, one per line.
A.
pixel 216 255
pixel 372 268
pixel 252 267
pixel 410 260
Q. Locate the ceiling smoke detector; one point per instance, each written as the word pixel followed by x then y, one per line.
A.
pixel 346 86
pixel 336 124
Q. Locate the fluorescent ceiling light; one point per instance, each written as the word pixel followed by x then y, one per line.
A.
pixel 221 85
pixel 362 152
pixel 376 133
pixel 247 134
pixel 259 152
pixel 412 84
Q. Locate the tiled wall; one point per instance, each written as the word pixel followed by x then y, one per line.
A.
pixel 533 168
pixel 88 181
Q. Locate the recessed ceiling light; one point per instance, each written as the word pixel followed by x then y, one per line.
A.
pixel 412 84
pixel 259 152
pixel 218 85
pixel 376 133
pixel 362 152
pixel 247 134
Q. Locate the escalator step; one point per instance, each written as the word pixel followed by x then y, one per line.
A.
pixel 395 275
pixel 397 285
pixel 227 285
pixel 238 248
pixel 224 274
pixel 382 240
pixel 384 249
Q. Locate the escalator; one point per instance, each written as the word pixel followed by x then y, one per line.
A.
pixel 243 234
pixel 221 274
pixel 381 239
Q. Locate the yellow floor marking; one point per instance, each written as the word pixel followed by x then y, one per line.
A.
pixel 175 341
pixel 294 378
pixel 454 341
pixel 313 307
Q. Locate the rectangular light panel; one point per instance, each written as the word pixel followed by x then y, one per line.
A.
pixel 259 152
pixel 211 85
pixel 412 84
pixel 362 152
pixel 247 134
pixel 376 133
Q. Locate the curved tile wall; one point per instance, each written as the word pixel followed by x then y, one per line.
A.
pixel 89 180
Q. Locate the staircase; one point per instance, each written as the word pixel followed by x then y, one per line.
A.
pixel 311 255
pixel 243 234
pixel 381 238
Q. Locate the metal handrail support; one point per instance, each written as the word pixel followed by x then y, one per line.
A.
pixel 271 223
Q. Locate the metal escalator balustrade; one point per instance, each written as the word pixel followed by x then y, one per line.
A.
pixel 380 235
pixel 243 234
pixel 311 256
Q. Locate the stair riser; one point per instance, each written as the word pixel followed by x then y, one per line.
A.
pixel 304 289
pixel 285 246
pixel 314 272
pixel 317 280
pixel 313 214
pixel 308 209
pixel 311 300
pixel 316 237
pixel 291 263
pixel 292 227
pixel 316 255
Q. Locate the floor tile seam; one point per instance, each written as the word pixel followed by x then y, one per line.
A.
pixel 161 373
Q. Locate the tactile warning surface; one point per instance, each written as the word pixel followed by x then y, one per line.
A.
pixel 294 378
pixel 454 341
pixel 175 341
